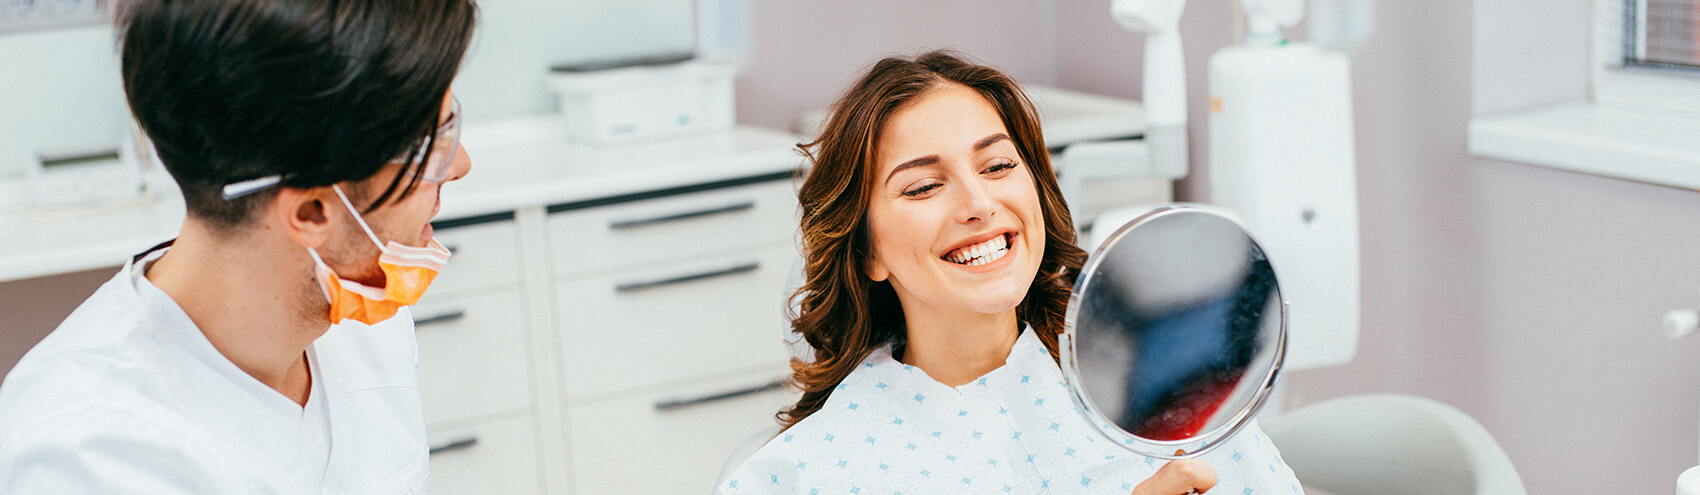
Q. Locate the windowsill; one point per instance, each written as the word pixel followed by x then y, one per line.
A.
pixel 1583 137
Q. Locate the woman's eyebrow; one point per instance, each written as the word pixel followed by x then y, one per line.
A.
pixel 932 159
pixel 918 162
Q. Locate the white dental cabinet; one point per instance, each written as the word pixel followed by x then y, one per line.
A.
pixel 612 321
pixel 612 318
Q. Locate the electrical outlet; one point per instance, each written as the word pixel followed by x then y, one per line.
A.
pixel 31 15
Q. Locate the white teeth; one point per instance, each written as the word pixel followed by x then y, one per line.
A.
pixel 982 253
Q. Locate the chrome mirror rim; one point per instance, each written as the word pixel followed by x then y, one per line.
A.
pixel 1165 449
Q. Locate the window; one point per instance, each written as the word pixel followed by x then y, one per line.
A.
pixel 1647 56
pixel 1661 34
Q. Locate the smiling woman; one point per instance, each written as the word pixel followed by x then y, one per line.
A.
pixel 884 168
pixel 939 258
pixel 957 233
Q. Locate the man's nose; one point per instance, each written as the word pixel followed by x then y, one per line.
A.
pixel 461 165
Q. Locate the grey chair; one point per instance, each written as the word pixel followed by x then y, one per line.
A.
pixel 1391 444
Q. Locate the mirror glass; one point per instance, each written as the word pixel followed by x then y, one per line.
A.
pixel 1175 332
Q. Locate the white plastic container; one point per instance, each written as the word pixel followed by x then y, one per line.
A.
pixel 645 102
pixel 1282 155
pixel 1689 482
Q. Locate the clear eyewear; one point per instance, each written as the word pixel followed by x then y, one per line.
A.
pixel 439 152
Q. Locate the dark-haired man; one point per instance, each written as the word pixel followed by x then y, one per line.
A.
pixel 267 349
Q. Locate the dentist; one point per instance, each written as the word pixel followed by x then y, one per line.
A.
pixel 267 349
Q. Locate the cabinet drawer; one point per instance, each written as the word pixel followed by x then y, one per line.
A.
pixel 656 325
pixel 473 357
pixel 486 255
pixel 677 227
pixel 498 457
pixel 629 446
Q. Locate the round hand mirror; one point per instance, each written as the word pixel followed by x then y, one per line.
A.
pixel 1175 332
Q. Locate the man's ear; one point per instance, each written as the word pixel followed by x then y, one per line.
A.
pixel 302 215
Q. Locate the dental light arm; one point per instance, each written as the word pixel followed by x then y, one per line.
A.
pixel 1165 70
pixel 1266 18
pixel 1164 91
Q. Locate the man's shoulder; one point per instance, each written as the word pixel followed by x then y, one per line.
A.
pixel 104 448
pixel 107 324
pixel 105 354
pixel 93 389
pixel 86 414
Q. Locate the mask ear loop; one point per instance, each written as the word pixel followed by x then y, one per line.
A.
pixel 357 218
pixel 320 262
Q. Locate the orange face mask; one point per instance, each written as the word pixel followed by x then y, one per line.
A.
pixel 408 272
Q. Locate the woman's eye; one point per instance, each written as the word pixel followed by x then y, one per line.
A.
pixel 920 190
pixel 1001 167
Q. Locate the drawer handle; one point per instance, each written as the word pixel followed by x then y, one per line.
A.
pixel 673 217
pixel 661 282
pixel 672 404
pixel 443 317
pixel 462 443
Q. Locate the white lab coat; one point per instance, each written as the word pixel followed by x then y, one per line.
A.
pixel 129 397
pixel 889 428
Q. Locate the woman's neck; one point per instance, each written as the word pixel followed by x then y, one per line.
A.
pixel 956 349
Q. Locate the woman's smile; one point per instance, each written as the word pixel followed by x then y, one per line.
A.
pixel 982 253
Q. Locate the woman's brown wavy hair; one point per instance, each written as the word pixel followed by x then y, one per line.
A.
pixel 842 313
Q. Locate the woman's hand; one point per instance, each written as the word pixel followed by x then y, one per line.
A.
pixel 1177 478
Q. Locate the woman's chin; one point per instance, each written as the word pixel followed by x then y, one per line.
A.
pixel 994 303
pixel 1000 294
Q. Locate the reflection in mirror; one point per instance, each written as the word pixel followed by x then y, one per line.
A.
pixel 1175 332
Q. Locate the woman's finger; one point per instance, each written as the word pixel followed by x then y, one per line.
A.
pixel 1177 478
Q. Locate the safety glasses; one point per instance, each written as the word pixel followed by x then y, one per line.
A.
pixel 438 153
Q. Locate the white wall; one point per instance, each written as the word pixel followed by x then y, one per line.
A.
pixel 59 90
pixel 517 40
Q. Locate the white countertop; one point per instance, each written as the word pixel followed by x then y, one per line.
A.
pixel 1067 117
pixel 517 163
pixel 48 242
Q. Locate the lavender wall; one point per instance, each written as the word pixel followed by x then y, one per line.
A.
pixel 1577 272
pixel 806 53
pixel 1526 296
pixel 29 309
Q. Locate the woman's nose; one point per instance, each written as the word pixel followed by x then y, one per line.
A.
pixel 976 202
